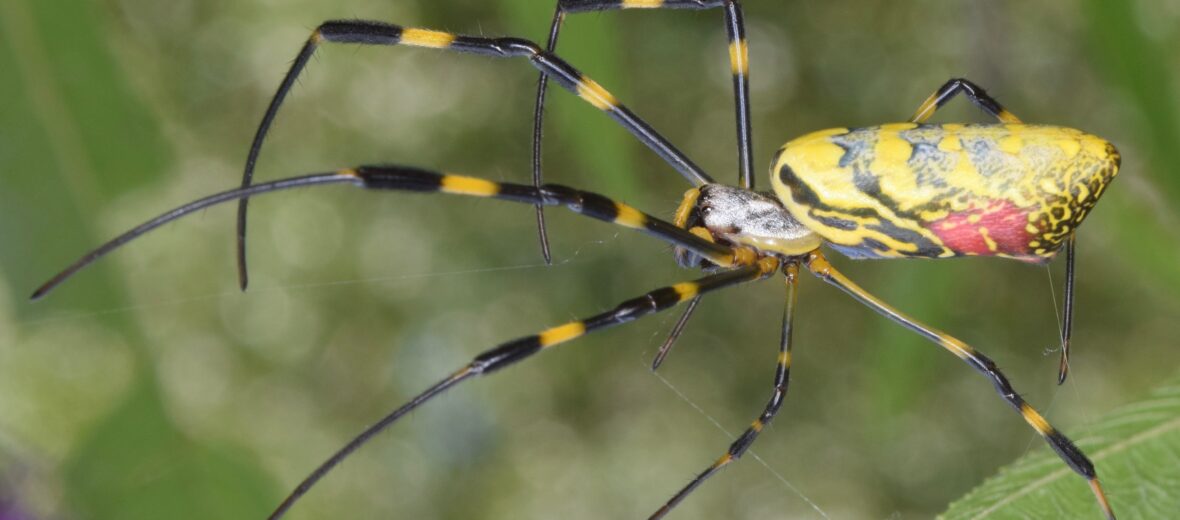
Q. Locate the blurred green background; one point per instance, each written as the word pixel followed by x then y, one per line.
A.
pixel 149 387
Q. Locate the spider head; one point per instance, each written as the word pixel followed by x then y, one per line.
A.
pixel 740 217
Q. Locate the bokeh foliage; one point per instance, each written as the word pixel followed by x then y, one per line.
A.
pixel 150 387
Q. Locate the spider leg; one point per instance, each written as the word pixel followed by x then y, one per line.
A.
pixel 677 329
pixel 782 375
pixel 538 127
pixel 974 92
pixel 739 64
pixel 378 33
pixel 988 104
pixel 1067 320
pixel 402 178
pixel 981 363
pixel 683 213
pixel 516 350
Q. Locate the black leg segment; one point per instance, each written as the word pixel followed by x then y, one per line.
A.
pixel 402 178
pixel 1061 444
pixel 974 92
pixel 517 350
pixel 378 33
pixel 782 373
pixel 739 64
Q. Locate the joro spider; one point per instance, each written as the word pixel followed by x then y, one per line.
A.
pixel 901 190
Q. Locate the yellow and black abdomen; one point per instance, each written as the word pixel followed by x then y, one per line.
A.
pixel 909 190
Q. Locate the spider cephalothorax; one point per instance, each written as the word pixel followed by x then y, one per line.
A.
pixel 740 217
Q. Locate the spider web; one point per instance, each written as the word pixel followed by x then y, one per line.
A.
pixel 786 483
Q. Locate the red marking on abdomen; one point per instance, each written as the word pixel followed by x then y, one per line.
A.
pixel 1003 222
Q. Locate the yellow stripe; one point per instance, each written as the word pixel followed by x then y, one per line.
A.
pixel 592 92
pixel 427 38
pixel 720 259
pixel 686 205
pixel 1033 418
pixel 642 4
pixel 956 347
pixel 739 57
pixel 562 333
pixel 784 359
pixel 926 109
pixel 757 425
pixel 686 290
pixel 351 172
pixel 702 233
pixel 469 186
pixel 1007 117
pixel 629 216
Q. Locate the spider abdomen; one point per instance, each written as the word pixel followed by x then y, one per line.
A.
pixel 910 190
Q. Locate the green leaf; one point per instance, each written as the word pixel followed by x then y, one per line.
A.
pixel 1136 450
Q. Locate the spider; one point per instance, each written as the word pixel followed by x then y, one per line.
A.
pixel 891 191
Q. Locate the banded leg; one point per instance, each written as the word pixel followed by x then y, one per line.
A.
pixel 981 363
pixel 377 33
pixel 974 92
pixel 683 214
pixel 982 100
pixel 516 350
pixel 782 375
pixel 739 64
pixel 402 178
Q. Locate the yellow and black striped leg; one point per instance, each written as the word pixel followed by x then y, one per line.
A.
pixel 683 215
pixel 739 64
pixel 981 363
pixel 738 56
pixel 981 99
pixel 973 92
pixel 516 350
pixel 782 376
pixel 1067 319
pixel 378 33
pixel 401 178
